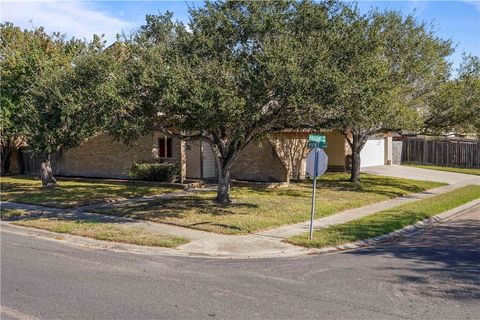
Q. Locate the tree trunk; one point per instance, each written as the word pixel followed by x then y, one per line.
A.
pixel 6 156
pixel 46 173
pixel 356 144
pixel 355 169
pixel 6 164
pixel 289 174
pixel 6 160
pixel 223 191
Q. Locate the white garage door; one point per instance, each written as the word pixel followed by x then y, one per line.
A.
pixel 373 153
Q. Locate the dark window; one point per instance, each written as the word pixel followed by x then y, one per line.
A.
pixel 169 147
pixel 165 147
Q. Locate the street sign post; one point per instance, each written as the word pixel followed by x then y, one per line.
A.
pixel 317 163
pixel 321 163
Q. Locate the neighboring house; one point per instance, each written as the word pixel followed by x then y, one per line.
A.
pixel 275 159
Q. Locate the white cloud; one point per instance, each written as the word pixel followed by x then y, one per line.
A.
pixel 475 3
pixel 73 18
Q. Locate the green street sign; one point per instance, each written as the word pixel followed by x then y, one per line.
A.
pixel 317 138
pixel 317 141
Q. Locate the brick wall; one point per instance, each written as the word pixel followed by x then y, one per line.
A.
pixel 259 162
pixel 103 156
pixel 291 148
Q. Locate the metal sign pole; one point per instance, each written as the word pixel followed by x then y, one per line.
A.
pixel 315 173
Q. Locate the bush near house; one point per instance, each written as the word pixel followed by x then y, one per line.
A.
pixel 163 172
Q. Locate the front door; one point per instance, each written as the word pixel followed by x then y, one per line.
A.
pixel 209 167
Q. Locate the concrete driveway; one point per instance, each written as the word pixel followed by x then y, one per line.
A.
pixel 430 275
pixel 422 174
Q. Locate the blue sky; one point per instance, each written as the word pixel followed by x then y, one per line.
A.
pixel 456 20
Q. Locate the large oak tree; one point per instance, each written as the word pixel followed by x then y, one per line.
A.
pixel 238 71
pixel 386 65
pixel 23 53
pixel 52 91
pixel 455 108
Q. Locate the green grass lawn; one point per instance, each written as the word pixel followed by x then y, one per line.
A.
pixel 103 231
pixel 260 209
pixel 387 221
pixel 450 169
pixel 68 194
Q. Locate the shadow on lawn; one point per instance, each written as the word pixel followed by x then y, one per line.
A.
pixel 443 261
pixel 226 226
pixel 68 196
pixel 66 215
pixel 389 187
pixel 291 191
pixel 174 208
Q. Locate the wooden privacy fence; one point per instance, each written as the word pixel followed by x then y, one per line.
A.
pixel 449 153
pixel 31 163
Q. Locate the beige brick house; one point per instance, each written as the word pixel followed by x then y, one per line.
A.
pixel 274 159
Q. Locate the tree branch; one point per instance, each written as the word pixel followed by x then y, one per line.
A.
pixel 185 137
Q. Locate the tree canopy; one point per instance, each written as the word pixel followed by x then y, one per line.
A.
pixel 455 108
pixel 52 90
pixel 240 70
pixel 385 66
pixel 25 54
pixel 236 72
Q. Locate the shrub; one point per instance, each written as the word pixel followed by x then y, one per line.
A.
pixel 164 172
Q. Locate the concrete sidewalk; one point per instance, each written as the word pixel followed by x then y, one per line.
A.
pixel 408 172
pixel 268 243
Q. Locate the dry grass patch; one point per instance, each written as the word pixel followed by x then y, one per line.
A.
pixel 24 189
pixel 260 209
pixel 7 214
pixel 103 231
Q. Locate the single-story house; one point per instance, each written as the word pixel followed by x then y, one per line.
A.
pixel 274 159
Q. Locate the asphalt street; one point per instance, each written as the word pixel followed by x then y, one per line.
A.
pixel 433 274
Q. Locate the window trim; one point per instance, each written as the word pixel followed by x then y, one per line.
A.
pixel 168 147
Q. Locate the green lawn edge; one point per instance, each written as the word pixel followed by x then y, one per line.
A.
pixel 471 171
pixel 99 231
pixel 387 221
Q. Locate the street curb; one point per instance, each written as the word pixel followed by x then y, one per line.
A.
pixel 408 230
pixel 94 244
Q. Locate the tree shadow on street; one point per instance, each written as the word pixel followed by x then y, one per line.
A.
pixel 442 261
